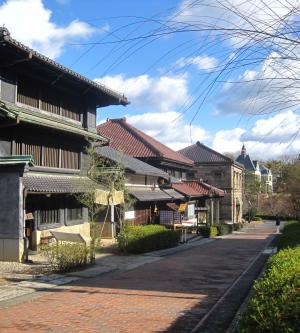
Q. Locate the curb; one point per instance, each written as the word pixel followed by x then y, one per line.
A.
pixel 220 317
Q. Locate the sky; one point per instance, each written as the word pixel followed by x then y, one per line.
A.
pixel 185 81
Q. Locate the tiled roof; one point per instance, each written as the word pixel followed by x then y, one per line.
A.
pixel 8 40
pixel 24 114
pixel 194 189
pixel 131 163
pixel 147 194
pixel 174 194
pixel 133 142
pixel 187 190
pixel 57 183
pixel 200 153
pixel 205 188
pixel 246 161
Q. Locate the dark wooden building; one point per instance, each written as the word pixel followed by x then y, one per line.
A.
pixel 47 119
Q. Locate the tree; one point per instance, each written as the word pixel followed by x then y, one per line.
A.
pixel 290 185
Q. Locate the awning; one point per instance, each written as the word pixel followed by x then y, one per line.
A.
pixel 174 194
pixel 22 114
pixel 49 183
pixel 172 206
pixel 147 194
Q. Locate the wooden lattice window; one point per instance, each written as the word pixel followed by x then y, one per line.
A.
pixel 51 157
pixel 28 92
pixel 74 210
pixel 70 159
pixel 49 211
pixel 50 101
pixel 70 109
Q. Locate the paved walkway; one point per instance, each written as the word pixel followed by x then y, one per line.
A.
pixel 163 294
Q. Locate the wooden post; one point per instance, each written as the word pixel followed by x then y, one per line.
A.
pixel 112 219
pixel 211 212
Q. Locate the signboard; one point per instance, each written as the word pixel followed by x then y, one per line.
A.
pixel 129 215
pixel 67 237
pixel 201 209
pixel 189 223
pixel 182 207
pixel 29 216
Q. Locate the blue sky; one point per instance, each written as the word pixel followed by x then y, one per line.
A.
pixel 170 79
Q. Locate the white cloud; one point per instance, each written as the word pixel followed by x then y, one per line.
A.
pixel 269 138
pixel 168 128
pixel 30 22
pixel 266 16
pixel 204 63
pixel 162 93
pixel 272 87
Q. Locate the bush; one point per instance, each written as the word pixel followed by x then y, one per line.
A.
pixel 224 229
pixel 256 218
pixel 208 231
pixel 146 238
pixel 237 226
pixel 275 304
pixel 290 235
pixel 64 256
pixel 251 214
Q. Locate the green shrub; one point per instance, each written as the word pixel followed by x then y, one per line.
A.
pixel 237 226
pixel 290 235
pixel 224 229
pixel 64 256
pixel 275 304
pixel 251 214
pixel 208 231
pixel 256 218
pixel 146 238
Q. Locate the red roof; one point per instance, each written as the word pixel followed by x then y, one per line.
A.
pixel 204 189
pixel 193 188
pixel 133 142
pixel 187 190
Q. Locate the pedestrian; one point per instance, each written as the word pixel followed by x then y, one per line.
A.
pixel 277 224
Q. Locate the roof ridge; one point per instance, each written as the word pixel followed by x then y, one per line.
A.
pixel 214 151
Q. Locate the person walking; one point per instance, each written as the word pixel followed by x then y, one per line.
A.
pixel 277 224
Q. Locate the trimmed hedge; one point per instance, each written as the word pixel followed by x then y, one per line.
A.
pixel 224 229
pixel 146 238
pixel 290 236
pixel 208 231
pixel 275 306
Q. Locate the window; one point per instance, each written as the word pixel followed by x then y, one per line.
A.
pixel 190 211
pixel 28 92
pixel 74 210
pixel 49 156
pixel 47 98
pixel 49 212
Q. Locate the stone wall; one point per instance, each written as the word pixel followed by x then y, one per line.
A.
pixel 11 216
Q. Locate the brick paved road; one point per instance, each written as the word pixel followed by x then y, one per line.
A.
pixel 170 295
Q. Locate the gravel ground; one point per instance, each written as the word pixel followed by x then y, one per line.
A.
pixel 14 272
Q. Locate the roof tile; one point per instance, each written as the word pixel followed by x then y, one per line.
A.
pixel 133 142
pixel 200 153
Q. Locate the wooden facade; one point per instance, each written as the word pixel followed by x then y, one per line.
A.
pixel 47 112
